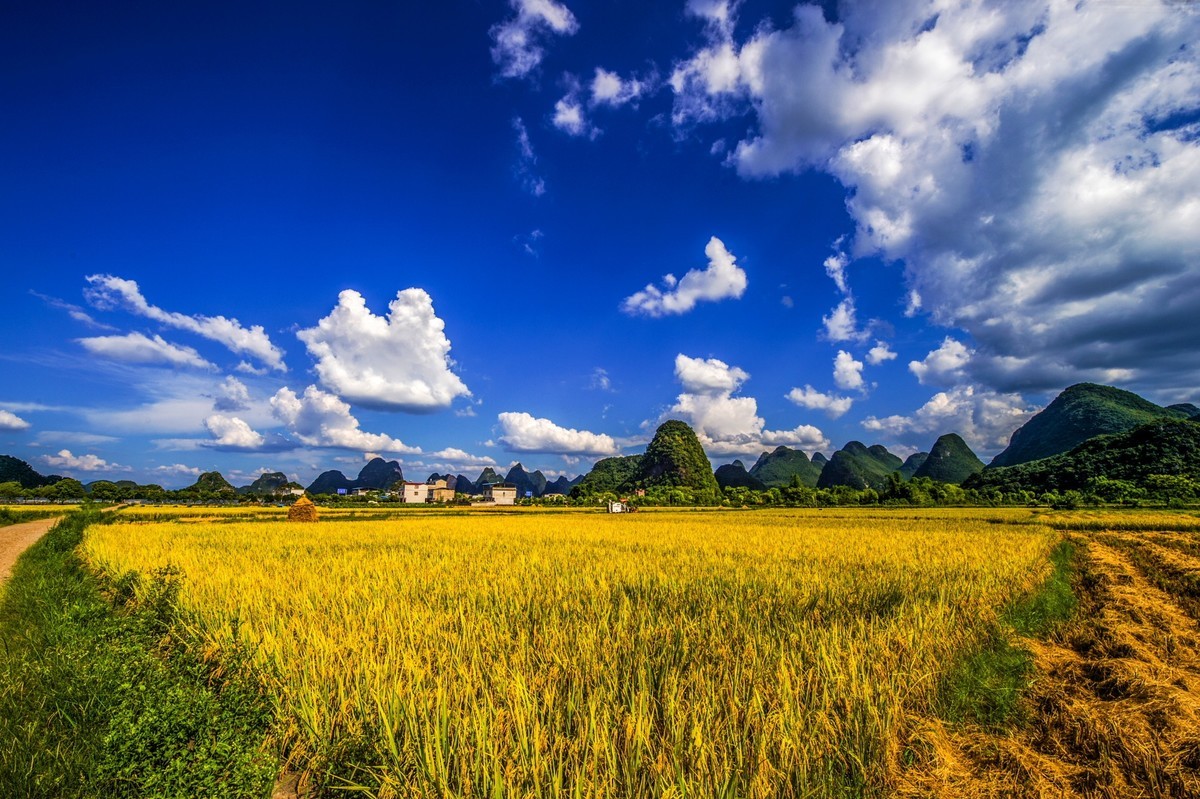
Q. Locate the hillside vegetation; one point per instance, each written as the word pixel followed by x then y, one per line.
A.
pixel 1080 412
pixel 859 466
pixel 1161 459
pixel 950 461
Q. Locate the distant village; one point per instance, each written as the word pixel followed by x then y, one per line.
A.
pixel 437 491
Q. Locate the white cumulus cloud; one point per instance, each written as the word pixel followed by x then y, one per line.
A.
pixel 526 433
pixel 708 376
pixel 81 463
pixel 722 279
pixel 398 362
pixel 517 42
pixel 232 432
pixel 847 372
pixel 320 419
pixel 1033 165
pixel 985 419
pixel 174 469
pixel 809 397
pixel 139 348
pixel 842 324
pixel 108 291
pixel 728 424
pixel 608 88
pixel 879 353
pixel 10 421
pixel 943 366
pixel 232 395
pixel 835 267
pixel 568 117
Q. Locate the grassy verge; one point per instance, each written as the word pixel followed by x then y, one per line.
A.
pixel 16 516
pixel 986 686
pixel 99 697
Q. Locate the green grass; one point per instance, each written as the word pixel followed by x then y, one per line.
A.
pixel 986 686
pixel 101 698
pixel 15 516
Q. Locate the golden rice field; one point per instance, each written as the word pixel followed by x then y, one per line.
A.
pixel 668 654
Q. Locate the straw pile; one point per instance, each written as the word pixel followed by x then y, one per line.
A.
pixel 303 511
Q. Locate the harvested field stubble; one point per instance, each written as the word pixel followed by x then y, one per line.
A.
pixel 1115 706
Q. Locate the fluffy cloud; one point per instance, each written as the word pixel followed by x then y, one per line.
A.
pixel 835 267
pixel 879 353
pixel 985 419
pixel 10 421
pixel 1033 165
pixel 526 433
pixel 841 323
pixel 398 362
pixel 319 419
pixel 708 376
pixel 232 433
pixel 568 117
pixel 516 42
pixel 809 397
pixel 722 279
pixel 456 459
pixel 138 348
pixel 847 372
pixel 180 469
pixel 707 84
pixel 943 366
pixel 609 89
pixel 725 424
pixel 233 396
pixel 107 291
pixel 81 463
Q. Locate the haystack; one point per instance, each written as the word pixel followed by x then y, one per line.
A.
pixel 302 511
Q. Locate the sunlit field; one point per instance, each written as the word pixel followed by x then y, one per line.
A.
pixel 764 654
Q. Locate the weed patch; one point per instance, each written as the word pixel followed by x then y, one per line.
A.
pixel 97 700
pixel 987 684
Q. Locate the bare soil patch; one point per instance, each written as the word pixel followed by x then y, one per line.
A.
pixel 16 538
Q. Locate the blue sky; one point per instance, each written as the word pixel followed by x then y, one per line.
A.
pixel 256 236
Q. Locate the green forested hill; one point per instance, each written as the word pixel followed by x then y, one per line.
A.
pixel 776 468
pixel 675 458
pixel 912 463
pixel 1081 412
pixel 615 475
pixel 734 475
pixel 859 467
pixel 1162 447
pixel 950 460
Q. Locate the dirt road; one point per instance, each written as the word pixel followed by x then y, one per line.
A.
pixel 16 538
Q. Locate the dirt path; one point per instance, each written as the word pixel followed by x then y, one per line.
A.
pixel 16 538
pixel 1115 708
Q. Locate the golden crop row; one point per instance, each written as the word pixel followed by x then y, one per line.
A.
pixel 768 654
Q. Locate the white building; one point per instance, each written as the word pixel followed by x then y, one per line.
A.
pixel 413 492
pixel 500 493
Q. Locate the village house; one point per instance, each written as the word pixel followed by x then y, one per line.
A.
pixel 413 492
pixel 500 493
pixel 439 492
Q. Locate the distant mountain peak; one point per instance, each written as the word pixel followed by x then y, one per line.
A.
pixel 950 460
pixel 1080 412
